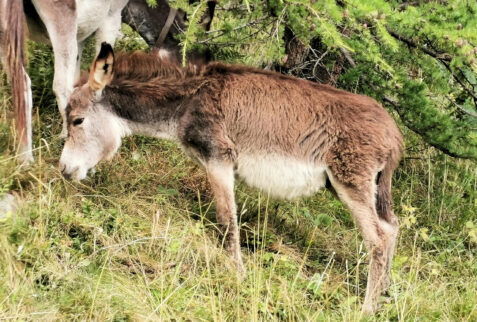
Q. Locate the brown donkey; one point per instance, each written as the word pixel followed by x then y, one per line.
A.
pixel 286 136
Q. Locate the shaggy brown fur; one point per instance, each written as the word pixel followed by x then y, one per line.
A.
pixel 351 133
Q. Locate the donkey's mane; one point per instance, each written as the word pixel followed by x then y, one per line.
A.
pixel 153 78
pixel 141 66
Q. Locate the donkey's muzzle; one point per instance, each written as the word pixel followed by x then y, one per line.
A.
pixel 68 174
pixel 65 174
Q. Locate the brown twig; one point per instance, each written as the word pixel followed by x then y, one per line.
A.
pixel 348 56
pixel 222 32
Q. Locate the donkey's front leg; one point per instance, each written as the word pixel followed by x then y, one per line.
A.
pixel 26 145
pixel 25 153
pixel 221 177
pixel 60 18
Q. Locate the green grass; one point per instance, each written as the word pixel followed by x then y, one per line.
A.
pixel 138 240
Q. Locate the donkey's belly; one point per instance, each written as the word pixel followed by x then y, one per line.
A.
pixel 280 176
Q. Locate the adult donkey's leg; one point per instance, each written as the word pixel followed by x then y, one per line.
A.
pixel 110 27
pixel 60 19
pixel 221 177
pixel 78 61
pixel 26 148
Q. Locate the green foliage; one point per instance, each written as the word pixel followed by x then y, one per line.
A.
pixel 152 3
pixel 439 128
pixel 40 60
pixel 190 35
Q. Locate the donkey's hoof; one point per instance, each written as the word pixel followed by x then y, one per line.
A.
pixel 369 309
pixel 8 205
pixel 241 272
pixel 25 158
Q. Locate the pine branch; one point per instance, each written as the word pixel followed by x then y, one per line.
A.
pixel 470 92
pixel 412 43
pixel 460 108
pixel 404 5
pixel 444 58
pixel 395 104
pixel 222 32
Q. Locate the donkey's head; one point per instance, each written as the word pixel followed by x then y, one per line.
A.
pixel 94 132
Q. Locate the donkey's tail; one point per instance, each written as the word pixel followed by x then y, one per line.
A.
pixel 14 50
pixel 383 197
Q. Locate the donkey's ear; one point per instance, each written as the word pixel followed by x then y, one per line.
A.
pixel 101 72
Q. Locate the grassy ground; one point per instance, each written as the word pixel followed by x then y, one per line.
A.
pixel 138 240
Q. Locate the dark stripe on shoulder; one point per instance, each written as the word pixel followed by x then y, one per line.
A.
pixel 307 137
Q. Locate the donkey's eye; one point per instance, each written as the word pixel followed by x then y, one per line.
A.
pixel 78 121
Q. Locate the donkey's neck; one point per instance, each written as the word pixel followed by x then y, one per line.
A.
pixel 162 130
pixel 147 109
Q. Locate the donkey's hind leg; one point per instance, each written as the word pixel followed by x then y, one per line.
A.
pixel 221 177
pixel 392 228
pixel 378 236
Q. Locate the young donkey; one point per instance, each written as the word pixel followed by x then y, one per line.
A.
pixel 287 136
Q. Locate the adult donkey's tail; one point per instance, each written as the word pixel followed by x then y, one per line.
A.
pixel 20 83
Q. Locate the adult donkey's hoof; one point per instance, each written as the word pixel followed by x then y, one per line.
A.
pixel 369 308
pixel 8 206
pixel 25 157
